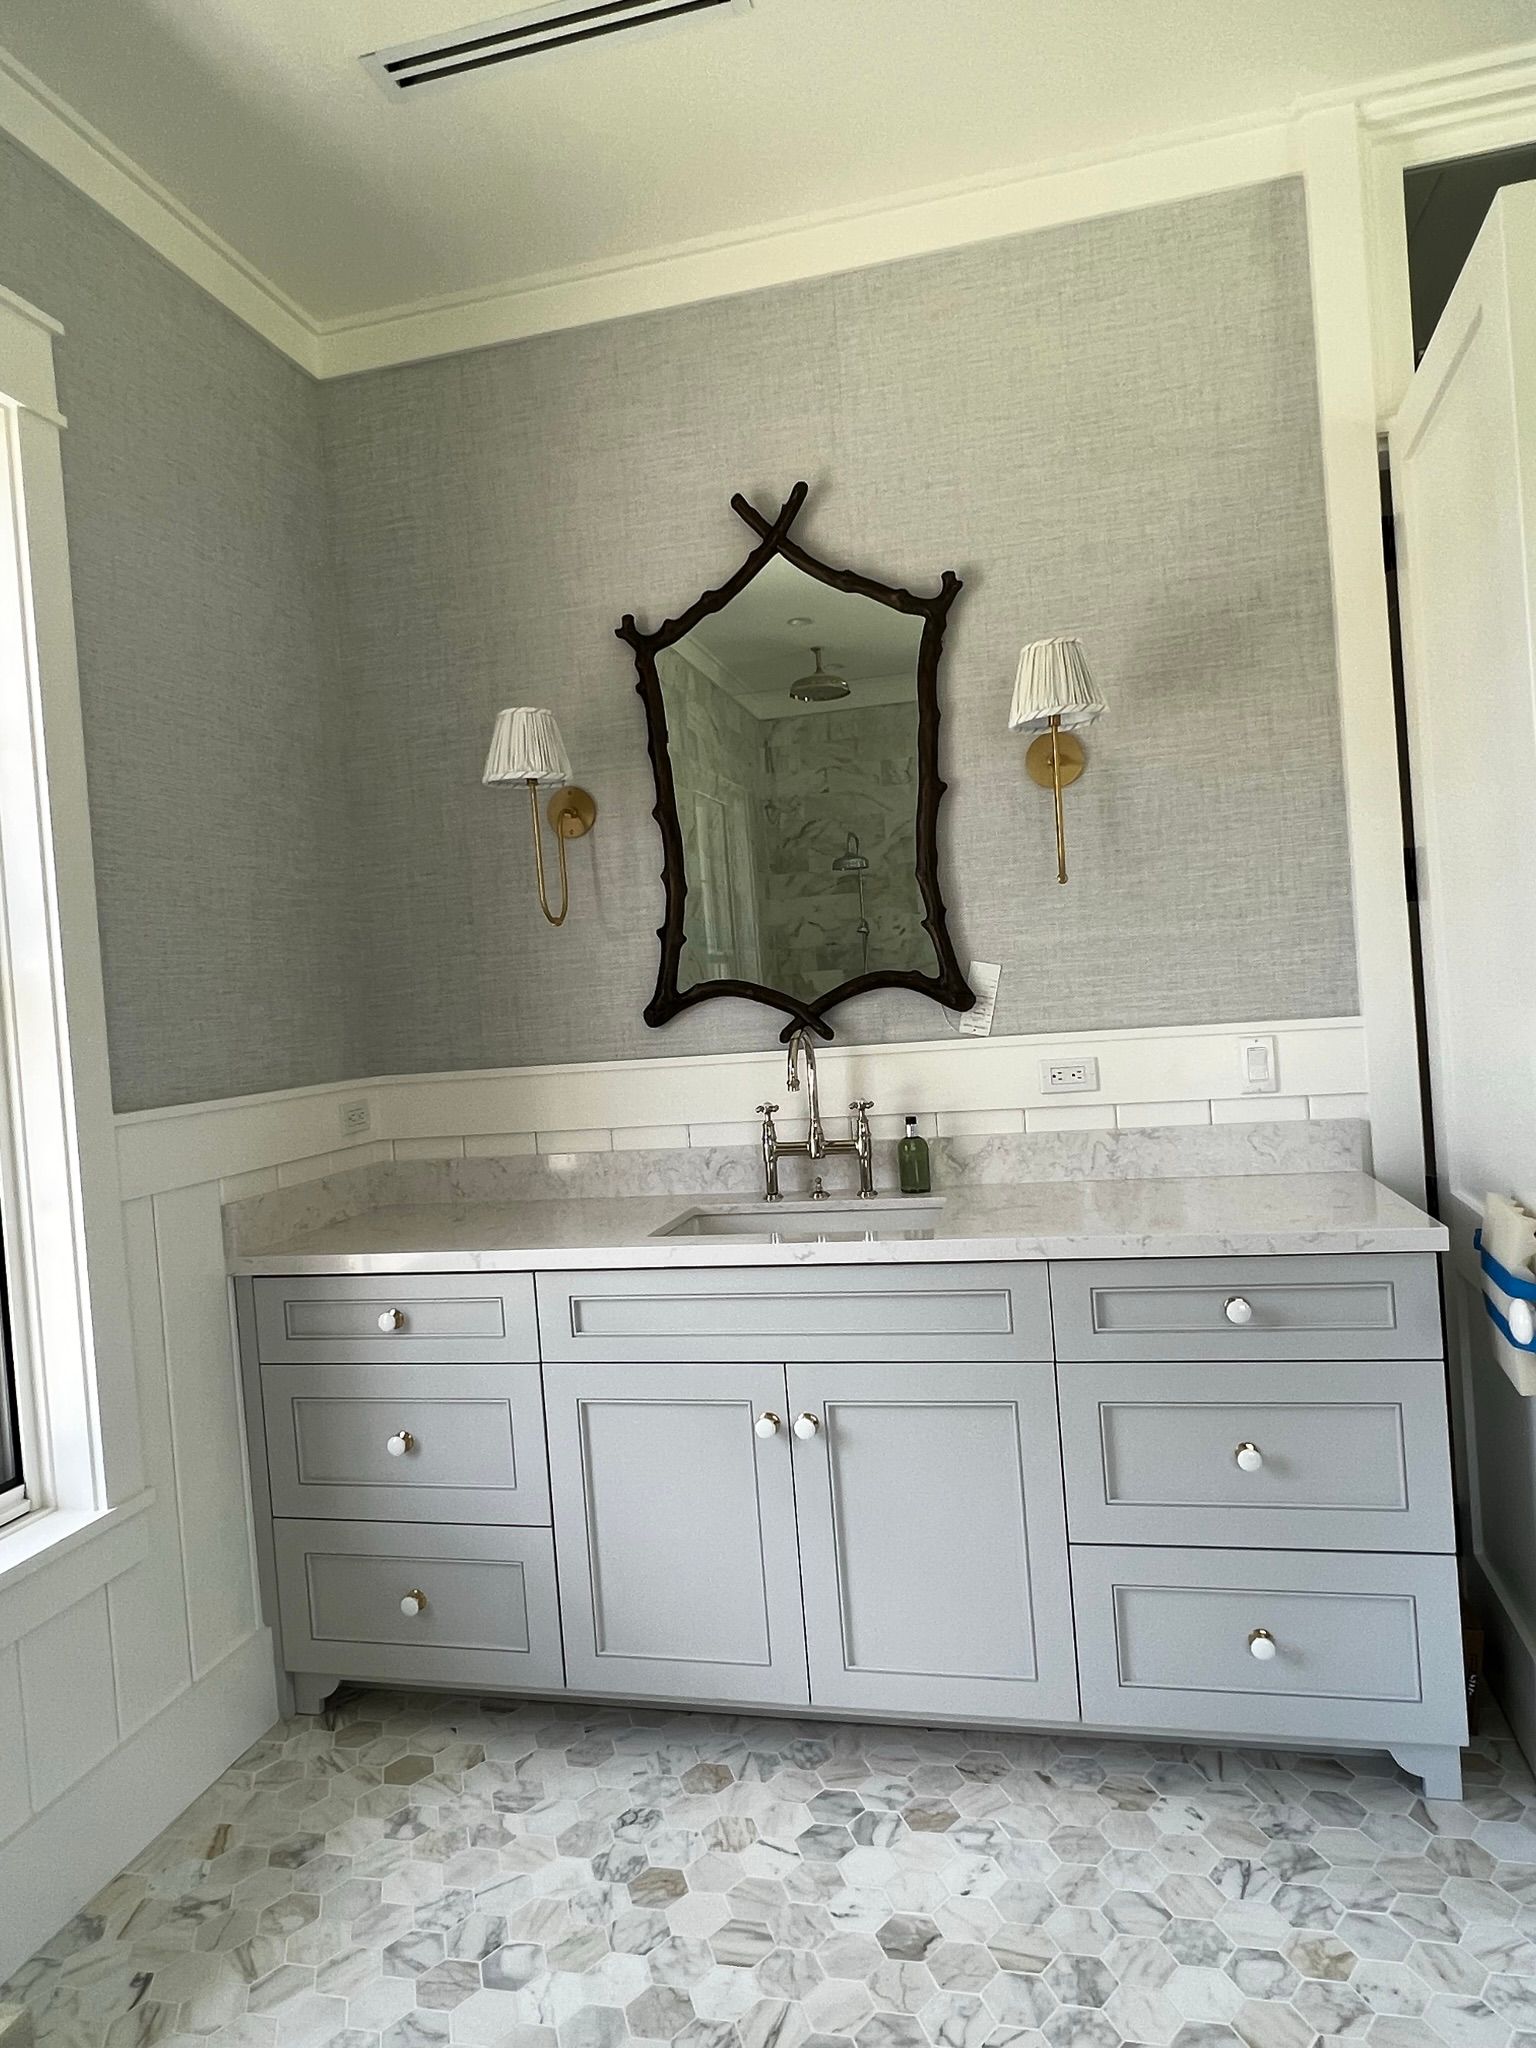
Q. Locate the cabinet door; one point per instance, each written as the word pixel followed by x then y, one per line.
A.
pixel 675 1526
pixel 933 1540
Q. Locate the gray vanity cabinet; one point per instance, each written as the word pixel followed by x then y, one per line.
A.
pixel 933 1544
pixel 675 1526
pixel 1191 1497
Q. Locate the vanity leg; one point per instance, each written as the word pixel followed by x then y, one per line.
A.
pixel 310 1694
pixel 1439 1768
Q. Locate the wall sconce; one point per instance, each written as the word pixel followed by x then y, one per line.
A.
pixel 1054 695
pixel 526 747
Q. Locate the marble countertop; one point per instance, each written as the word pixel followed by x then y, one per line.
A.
pixel 1237 1215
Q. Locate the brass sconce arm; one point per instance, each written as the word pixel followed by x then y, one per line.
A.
pixel 571 815
pixel 1055 761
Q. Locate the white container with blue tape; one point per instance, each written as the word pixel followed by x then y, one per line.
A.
pixel 1506 1249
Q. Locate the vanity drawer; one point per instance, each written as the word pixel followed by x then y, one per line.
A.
pixel 472 1436
pixel 1351 1456
pixel 766 1314
pixel 451 1318
pixel 1375 1305
pixel 490 1615
pixel 1367 1649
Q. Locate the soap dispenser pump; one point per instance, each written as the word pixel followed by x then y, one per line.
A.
pixel 912 1159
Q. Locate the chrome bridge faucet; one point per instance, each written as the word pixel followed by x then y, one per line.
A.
pixel 815 1145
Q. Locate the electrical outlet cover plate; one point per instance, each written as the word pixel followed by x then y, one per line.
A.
pixel 356 1119
pixel 1071 1076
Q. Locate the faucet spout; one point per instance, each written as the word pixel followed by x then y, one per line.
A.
pixel 801 1049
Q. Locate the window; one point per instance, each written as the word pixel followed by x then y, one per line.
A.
pixel 69 1445
pixel 13 1478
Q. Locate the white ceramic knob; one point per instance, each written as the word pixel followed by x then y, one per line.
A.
pixel 767 1424
pixel 392 1319
pixel 1237 1310
pixel 807 1425
pixel 1249 1458
pixel 401 1442
pixel 1522 1321
pixel 414 1603
pixel 1261 1644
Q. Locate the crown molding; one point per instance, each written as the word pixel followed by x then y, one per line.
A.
pixel 1420 102
pixel 816 245
pixel 67 143
pixel 1475 103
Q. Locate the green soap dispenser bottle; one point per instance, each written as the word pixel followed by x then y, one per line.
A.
pixel 912 1155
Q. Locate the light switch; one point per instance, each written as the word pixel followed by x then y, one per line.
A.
pixel 1261 1074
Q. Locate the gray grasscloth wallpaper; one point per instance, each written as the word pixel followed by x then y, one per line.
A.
pixel 1109 428
pixel 300 606
pixel 200 558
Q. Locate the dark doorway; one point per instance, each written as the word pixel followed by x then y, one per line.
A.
pixel 1446 204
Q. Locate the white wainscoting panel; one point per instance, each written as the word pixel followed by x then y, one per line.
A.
pixel 68 1702
pixel 15 1776
pixel 106 1730
pixel 150 1630
pixel 62 1856
pixel 212 1491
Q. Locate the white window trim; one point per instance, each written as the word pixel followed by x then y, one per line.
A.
pixel 66 1259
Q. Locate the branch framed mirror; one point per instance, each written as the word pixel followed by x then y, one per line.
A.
pixel 792 718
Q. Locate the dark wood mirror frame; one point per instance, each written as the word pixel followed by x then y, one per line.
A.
pixel 948 985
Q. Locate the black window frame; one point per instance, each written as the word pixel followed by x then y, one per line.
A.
pixel 13 1477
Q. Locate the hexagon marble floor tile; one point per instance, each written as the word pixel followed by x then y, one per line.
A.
pixel 433 1870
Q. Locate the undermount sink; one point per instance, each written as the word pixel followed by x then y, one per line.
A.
pixel 891 1216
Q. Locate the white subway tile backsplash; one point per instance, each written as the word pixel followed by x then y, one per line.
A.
pixel 238 1186
pixel 502 1145
pixel 1144 1116
pixel 429 1148
pixel 1340 1105
pixel 651 1137
pixel 979 1123
pixel 1260 1109
pixel 896 1126
pixel 1099 1116
pixel 575 1141
pixel 735 1133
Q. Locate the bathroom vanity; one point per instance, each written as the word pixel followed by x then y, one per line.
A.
pixel 1055 1457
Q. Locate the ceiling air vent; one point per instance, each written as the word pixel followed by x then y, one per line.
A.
pixel 537 32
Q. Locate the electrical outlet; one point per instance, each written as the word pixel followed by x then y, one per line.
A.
pixel 356 1118
pixel 1069 1077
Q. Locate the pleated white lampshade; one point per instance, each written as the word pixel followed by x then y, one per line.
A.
pixel 526 747
pixel 1054 682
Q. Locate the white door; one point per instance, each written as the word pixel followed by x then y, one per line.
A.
pixel 1463 453
pixel 1464 480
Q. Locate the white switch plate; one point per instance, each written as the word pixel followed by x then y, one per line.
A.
pixel 1258 1064
pixel 356 1118
pixel 984 977
pixel 1069 1076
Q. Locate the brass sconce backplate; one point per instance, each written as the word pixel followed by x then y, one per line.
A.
pixel 1038 759
pixel 572 813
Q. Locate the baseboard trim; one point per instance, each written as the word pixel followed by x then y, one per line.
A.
pixel 66 1853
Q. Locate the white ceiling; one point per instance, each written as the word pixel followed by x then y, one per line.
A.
pixel 257 116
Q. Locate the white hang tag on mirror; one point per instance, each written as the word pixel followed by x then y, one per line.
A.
pixel 976 1022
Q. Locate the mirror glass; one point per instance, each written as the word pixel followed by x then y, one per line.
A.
pixel 792 726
